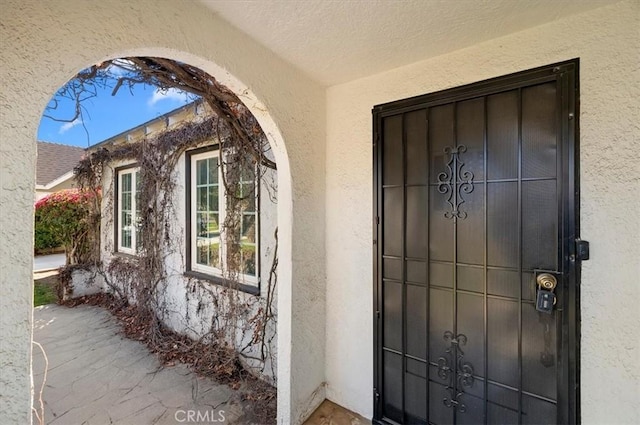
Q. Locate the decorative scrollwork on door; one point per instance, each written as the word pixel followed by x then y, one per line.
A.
pixel 459 373
pixel 455 181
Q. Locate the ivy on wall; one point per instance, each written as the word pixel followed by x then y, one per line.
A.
pixel 241 325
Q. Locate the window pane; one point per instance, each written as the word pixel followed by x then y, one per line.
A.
pixel 202 251
pixel 214 253
pixel 201 196
pixel 213 198
pixel 137 194
pixel 126 237
pixel 126 182
pixel 248 228
pixel 126 219
pixel 248 202
pixel 201 171
pixel 214 224
pixel 201 224
pixel 126 202
pixel 206 203
pixel 248 259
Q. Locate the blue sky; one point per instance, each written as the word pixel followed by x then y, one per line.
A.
pixel 105 115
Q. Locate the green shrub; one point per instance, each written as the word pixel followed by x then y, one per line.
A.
pixel 45 237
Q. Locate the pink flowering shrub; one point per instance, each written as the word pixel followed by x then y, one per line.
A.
pixel 64 218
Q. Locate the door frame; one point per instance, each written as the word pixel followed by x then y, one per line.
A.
pixel 567 74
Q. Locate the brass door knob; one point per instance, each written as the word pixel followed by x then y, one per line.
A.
pixel 546 281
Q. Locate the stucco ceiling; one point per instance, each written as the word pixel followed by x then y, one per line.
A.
pixel 336 41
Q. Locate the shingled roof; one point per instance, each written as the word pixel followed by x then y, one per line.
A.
pixel 55 160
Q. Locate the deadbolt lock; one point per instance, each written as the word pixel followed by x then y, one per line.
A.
pixel 546 281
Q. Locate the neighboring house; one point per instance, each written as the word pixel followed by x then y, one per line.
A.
pixel 311 73
pixel 195 261
pixel 54 170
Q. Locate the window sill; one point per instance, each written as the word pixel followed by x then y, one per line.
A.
pixel 250 289
pixel 124 255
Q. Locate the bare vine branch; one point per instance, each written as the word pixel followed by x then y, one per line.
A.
pixel 165 74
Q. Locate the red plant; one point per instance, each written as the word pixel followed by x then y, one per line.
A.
pixel 67 215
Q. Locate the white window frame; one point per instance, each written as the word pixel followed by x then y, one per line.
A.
pixel 134 172
pixel 243 279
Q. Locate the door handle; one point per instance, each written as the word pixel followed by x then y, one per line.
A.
pixel 545 297
pixel 547 281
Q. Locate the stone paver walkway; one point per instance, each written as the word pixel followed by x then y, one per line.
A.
pixel 97 376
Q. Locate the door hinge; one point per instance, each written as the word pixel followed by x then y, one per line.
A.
pixel 376 394
pixel 377 314
pixel 582 250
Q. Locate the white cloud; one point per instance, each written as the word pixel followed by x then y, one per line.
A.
pixel 69 125
pixel 170 94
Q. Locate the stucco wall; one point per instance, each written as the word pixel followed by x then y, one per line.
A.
pixel 44 43
pixel 607 42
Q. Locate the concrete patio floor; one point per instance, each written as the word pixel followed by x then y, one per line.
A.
pixel 97 376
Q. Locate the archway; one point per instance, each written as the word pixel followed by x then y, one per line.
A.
pixel 110 245
pixel 79 34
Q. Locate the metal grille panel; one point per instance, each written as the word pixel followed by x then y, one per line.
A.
pixel 472 194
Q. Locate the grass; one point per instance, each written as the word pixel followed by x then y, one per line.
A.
pixel 43 293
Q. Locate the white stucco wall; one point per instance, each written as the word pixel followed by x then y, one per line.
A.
pixel 607 42
pixel 44 43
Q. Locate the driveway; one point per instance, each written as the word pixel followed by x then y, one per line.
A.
pixel 97 376
pixel 48 262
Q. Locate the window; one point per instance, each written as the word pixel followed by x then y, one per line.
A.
pixel 128 210
pixel 207 213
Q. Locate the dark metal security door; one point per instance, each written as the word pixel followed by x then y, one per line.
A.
pixel 475 198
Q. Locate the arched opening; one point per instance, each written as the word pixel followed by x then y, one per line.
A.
pixel 190 158
pixel 294 108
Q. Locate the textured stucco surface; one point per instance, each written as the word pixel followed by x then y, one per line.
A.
pixel 17 182
pixel 607 42
pixel 339 41
pixel 44 43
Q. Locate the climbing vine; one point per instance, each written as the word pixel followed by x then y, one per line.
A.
pixel 240 325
